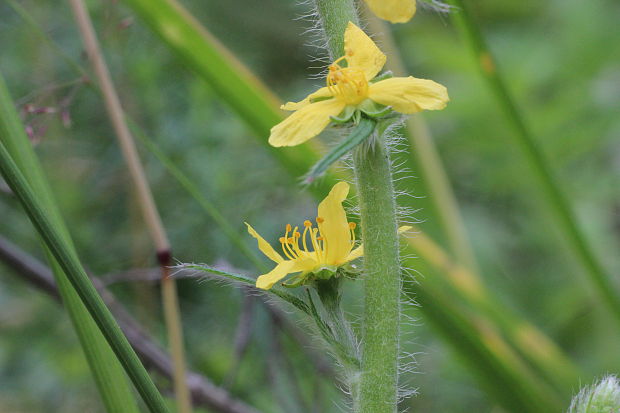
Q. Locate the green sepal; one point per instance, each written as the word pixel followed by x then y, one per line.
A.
pixel 350 270
pixel 326 272
pixel 345 115
pixel 373 109
pixel 385 75
pixel 363 130
pixel 296 280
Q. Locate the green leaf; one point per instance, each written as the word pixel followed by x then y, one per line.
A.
pixel 346 145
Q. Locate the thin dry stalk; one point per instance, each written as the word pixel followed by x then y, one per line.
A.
pixel 145 200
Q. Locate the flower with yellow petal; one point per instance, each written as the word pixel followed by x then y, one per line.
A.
pixel 324 247
pixel 395 11
pixel 350 87
pixel 317 252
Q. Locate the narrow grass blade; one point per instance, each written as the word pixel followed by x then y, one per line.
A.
pixel 41 210
pixel 485 352
pixel 538 164
pixel 230 79
pixel 542 354
pixel 107 371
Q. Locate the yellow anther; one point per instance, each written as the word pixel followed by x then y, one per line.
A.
pixel 291 240
pixel 282 240
pixel 307 223
pixel 352 225
pixel 347 83
pixel 288 227
pixel 296 234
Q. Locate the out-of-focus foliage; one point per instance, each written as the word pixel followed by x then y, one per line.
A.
pixel 562 61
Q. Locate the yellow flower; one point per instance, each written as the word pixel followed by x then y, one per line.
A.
pixel 325 247
pixel 395 11
pixel 350 87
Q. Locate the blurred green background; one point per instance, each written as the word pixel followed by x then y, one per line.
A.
pixel 561 59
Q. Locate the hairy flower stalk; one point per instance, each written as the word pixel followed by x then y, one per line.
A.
pixel 382 273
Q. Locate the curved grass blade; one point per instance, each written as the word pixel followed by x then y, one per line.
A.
pixel 230 79
pixel 55 239
pixel 107 371
pixel 549 185
pixel 484 351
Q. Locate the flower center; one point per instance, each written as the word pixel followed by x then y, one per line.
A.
pixel 347 83
pixel 292 250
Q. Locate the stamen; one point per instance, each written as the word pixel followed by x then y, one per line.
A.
pixel 323 245
pixel 315 243
pixel 347 83
pixel 285 245
pixel 285 249
pixel 352 226
pixel 303 238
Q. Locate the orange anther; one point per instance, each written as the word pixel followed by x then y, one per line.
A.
pixel 288 227
pixel 352 225
pixel 307 223
pixel 320 220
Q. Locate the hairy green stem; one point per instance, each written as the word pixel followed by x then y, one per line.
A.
pixel 380 331
pixel 382 283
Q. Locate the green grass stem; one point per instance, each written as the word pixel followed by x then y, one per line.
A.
pixel 539 165
pixel 107 371
pixel 67 259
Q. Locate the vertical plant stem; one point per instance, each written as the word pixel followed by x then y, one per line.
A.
pixel 381 322
pixel 380 336
pixel 549 185
pixel 145 200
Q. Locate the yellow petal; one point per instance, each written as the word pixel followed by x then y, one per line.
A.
pixel 359 251
pixel 395 11
pixel 306 123
pixel 264 246
pixel 266 281
pixel 409 94
pixel 356 253
pixel 335 228
pixel 321 93
pixel 362 52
